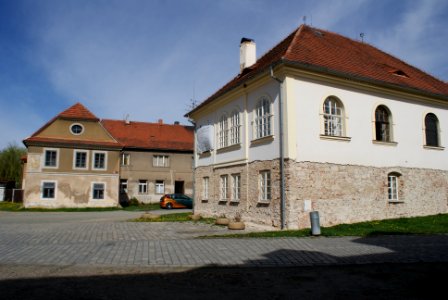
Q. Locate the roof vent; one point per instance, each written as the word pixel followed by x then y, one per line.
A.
pixel 126 120
pixel 400 73
pixel 176 123
pixel 160 121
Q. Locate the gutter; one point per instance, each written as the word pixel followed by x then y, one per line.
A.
pixel 282 158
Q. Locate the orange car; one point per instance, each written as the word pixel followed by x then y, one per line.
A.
pixel 170 201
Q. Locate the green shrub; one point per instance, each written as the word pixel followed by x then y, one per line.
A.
pixel 134 202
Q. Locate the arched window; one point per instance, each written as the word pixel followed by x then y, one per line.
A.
pixel 333 113
pixel 223 132
pixel 383 124
pixel 263 118
pixel 235 128
pixel 432 130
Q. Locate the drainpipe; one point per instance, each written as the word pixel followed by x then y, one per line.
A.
pixel 282 158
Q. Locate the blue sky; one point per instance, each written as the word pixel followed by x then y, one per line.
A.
pixel 148 58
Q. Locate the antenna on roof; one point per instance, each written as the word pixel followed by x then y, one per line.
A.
pixel 362 36
pixel 304 19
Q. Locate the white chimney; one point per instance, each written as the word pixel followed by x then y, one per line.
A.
pixel 248 53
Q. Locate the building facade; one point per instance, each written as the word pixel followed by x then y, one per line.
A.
pixel 322 122
pixel 78 160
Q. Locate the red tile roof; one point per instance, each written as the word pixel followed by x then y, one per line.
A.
pixel 142 135
pixel 77 112
pixel 330 53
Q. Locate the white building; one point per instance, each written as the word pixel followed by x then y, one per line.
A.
pixel 362 136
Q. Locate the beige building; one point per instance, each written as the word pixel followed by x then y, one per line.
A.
pixel 72 162
pixel 156 159
pixel 322 123
pixel 77 160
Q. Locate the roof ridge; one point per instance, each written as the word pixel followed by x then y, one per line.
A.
pixel 297 31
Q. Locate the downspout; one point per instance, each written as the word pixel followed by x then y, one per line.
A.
pixel 282 158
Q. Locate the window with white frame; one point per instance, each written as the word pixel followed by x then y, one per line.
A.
pixel 143 186
pixel 205 182
pixel 383 121
pixel 393 186
pixel 236 187
pixel 224 187
pixel 333 115
pixel 51 158
pixel 125 159
pixel 99 160
pixel 432 130
pixel 160 161
pixel 80 159
pixel 98 191
pixel 235 128
pixel 48 190
pixel 265 185
pixel 223 132
pixel 160 187
pixel 263 118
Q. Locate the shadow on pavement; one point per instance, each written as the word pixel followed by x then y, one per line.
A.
pixel 266 278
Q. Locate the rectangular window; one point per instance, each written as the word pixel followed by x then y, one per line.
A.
pixel 160 161
pixel 80 159
pixel 265 185
pixel 125 159
pixel 205 182
pixel 123 185
pixel 236 187
pixel 143 186
pixel 99 160
pixel 392 187
pixel 48 190
pixel 98 191
pixel 160 187
pixel 224 187
pixel 51 158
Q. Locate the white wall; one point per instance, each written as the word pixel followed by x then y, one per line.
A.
pixel 265 150
pixel 408 124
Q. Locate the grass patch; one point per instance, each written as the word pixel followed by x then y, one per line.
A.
pixel 176 217
pixel 10 206
pixel 436 224
pixel 143 207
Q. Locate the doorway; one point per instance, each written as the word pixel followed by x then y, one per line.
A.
pixel 178 187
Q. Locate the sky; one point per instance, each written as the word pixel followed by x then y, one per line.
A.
pixel 148 59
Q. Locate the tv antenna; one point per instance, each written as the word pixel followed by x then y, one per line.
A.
pixel 304 19
pixel 362 36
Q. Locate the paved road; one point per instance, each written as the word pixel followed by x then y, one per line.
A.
pixel 101 256
pixel 105 239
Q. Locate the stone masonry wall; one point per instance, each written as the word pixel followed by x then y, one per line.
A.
pixel 348 194
pixel 341 193
pixel 248 207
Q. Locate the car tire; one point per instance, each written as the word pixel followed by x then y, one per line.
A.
pixel 169 206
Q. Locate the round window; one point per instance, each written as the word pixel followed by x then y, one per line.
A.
pixel 76 129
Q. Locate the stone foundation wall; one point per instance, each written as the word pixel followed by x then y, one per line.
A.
pixel 341 193
pixel 349 194
pixel 248 207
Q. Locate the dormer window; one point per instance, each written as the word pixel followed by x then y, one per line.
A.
pixel 76 129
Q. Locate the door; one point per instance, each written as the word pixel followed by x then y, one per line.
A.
pixel 178 187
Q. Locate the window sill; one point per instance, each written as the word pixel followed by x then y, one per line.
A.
pixel 433 148
pixel 384 143
pixel 204 200
pixel 263 140
pixel 335 138
pixel 263 202
pixel 223 200
pixel 205 154
pixel 395 201
pixel 229 148
pixel 235 200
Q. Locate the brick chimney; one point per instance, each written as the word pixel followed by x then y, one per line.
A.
pixel 248 53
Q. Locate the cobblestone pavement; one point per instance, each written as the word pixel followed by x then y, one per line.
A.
pixel 51 239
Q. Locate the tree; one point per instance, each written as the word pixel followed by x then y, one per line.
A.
pixel 10 164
